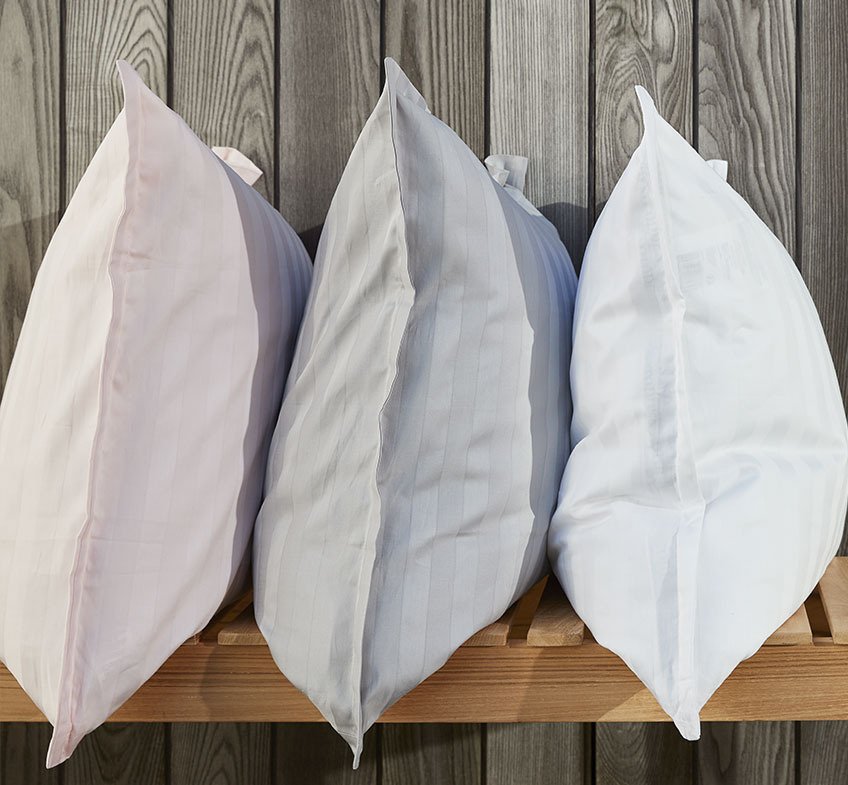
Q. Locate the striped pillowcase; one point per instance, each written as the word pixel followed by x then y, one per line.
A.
pixel 424 429
pixel 706 492
pixel 137 415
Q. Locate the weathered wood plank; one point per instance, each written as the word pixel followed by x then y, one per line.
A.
pixel 97 33
pixel 539 753
pixel 441 47
pixel 220 753
pixel 317 755
pixel 426 754
pixel 737 753
pixel 538 106
pixel 746 102
pixel 823 753
pixel 823 225
pixel 23 751
pixel 223 77
pixel 119 754
pixel 647 43
pixel 641 754
pixel 329 81
pixel 30 139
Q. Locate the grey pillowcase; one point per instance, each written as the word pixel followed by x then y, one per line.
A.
pixel 424 430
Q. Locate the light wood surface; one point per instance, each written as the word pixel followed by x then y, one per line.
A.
pixel 833 590
pixel 512 682
pixel 555 622
pixel 795 630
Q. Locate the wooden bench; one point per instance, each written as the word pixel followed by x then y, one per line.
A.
pixel 537 663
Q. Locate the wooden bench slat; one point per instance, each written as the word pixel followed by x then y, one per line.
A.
pixel 833 590
pixel 795 630
pixel 555 622
pixel 242 631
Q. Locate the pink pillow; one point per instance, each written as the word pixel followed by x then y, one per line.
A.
pixel 135 423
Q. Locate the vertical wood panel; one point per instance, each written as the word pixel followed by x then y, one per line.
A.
pixel 628 753
pixel 329 81
pixel 119 753
pixel 220 753
pixel 746 753
pixel 441 47
pixel 440 44
pixel 647 43
pixel 223 77
pixel 97 33
pixel 538 753
pixel 314 754
pixel 29 155
pixel 429 754
pixel 746 113
pixel 539 105
pixel 823 146
pixel 746 97
pixel 823 246
pixel 23 751
pixel 823 753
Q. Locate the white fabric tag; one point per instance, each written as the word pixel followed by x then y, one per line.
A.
pixel 239 163
pixel 719 167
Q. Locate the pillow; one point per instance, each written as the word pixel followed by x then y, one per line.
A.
pixel 137 415
pixel 423 432
pixel 706 491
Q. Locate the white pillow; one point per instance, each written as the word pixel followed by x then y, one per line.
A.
pixel 138 412
pixel 424 428
pixel 706 492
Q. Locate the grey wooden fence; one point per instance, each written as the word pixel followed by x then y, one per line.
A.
pixel 763 83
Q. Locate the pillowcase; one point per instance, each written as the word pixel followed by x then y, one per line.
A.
pixel 706 491
pixel 416 461
pixel 137 415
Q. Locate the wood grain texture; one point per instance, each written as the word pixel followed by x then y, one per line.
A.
pixel 440 44
pixel 539 106
pixel 220 754
pixel 541 753
pixel 746 102
pixel 555 622
pixel 329 81
pixel 30 140
pixel 648 43
pixel 823 753
pixel 641 754
pixel 223 77
pixel 97 33
pixel 119 754
pixel 823 153
pixel 750 753
pixel 23 751
pixel 427 754
pixel 795 630
pixel 317 755
pixel 833 591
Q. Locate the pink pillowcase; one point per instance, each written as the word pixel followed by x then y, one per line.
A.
pixel 135 422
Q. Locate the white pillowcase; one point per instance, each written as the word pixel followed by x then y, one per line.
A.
pixel 137 415
pixel 424 428
pixel 706 492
